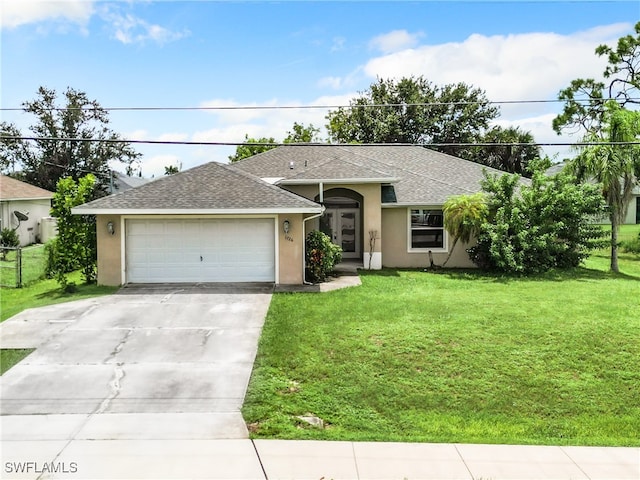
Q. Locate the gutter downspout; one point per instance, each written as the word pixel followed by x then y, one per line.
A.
pixel 304 246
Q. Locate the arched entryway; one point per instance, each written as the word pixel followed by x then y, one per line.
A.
pixel 342 220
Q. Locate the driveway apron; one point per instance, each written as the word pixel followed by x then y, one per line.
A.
pixel 169 361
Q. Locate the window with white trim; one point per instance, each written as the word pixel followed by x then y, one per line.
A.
pixel 426 229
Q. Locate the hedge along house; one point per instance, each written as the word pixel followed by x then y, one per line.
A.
pixel 246 222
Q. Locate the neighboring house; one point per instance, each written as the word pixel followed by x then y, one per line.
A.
pixel 28 201
pixel 120 182
pixel 633 213
pixel 247 221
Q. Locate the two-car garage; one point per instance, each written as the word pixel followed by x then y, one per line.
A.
pixel 176 250
pixel 209 224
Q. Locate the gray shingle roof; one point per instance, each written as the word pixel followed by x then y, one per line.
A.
pixel 419 175
pixel 209 187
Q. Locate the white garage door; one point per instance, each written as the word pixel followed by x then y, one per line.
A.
pixel 200 250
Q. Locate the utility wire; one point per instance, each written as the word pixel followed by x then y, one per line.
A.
pixel 310 107
pixel 312 144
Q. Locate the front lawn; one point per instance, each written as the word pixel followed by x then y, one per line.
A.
pixel 456 357
pixel 45 292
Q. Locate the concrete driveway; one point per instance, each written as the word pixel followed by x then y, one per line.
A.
pixel 147 362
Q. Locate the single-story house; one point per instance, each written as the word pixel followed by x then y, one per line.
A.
pixel 247 221
pixel 23 208
pixel 120 182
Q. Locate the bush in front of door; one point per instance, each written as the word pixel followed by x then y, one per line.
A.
pixel 321 256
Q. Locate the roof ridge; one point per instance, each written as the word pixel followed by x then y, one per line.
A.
pixel 260 181
pixel 420 174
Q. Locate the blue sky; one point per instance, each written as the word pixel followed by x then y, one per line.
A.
pixel 289 53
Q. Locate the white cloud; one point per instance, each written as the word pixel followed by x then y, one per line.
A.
pixel 23 12
pixel 172 137
pixel 129 29
pixel 507 67
pixel 233 125
pixel 395 41
pixel 153 166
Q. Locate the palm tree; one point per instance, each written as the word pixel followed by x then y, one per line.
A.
pixel 463 217
pixel 615 164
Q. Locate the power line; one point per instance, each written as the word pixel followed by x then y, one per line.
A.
pixel 318 107
pixel 312 144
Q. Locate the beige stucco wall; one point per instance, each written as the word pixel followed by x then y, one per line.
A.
pixel 371 208
pixel 395 248
pixel 109 254
pixel 290 249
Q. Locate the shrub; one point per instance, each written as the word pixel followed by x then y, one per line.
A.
pixel 9 238
pixel 534 228
pixel 75 246
pixel 321 256
pixel 631 246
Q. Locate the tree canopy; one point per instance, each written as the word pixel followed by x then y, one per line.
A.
pixel 585 98
pixel 597 109
pixel 52 155
pixel 509 149
pixel 253 146
pixel 615 166
pixel 415 111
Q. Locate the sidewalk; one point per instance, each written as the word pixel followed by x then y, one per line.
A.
pixel 176 446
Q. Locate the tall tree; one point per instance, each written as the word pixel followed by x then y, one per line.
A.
pixel 596 109
pixel 299 133
pixel 508 149
pixel 585 98
pixel 616 167
pixel 413 110
pixel 251 147
pixel 72 140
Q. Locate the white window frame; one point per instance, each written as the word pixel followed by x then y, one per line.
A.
pixel 445 234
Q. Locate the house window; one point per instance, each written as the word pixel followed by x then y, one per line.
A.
pixel 426 230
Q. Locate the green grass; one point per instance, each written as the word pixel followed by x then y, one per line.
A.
pixel 456 357
pixel 9 357
pixel 45 292
pixel 33 266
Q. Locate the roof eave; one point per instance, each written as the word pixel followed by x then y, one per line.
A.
pixel 410 204
pixel 25 199
pixel 194 211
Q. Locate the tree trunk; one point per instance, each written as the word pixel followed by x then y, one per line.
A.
pixel 614 244
pixel 455 240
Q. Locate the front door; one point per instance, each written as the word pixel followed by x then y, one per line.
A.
pixel 343 227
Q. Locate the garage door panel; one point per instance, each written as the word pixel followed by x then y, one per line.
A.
pixel 200 250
